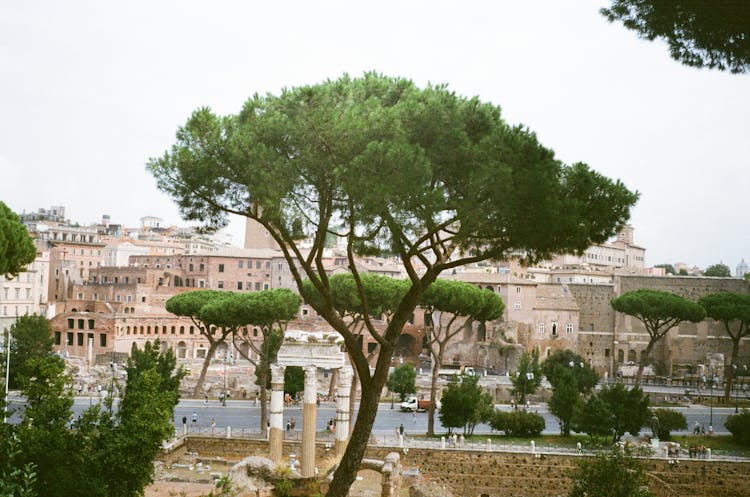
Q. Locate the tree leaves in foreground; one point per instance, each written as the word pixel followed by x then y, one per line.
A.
pixel 103 453
pixel 16 246
pixel 433 179
pixel 700 33
pixel 610 475
pixel 403 380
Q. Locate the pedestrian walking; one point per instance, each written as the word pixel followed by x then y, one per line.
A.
pixel 213 424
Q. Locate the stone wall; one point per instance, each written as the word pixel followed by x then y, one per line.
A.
pixel 505 474
pixel 608 339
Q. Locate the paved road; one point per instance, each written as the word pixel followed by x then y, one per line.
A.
pixel 245 416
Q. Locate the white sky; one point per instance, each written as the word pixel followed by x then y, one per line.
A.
pixel 90 90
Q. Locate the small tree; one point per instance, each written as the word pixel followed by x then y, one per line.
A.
pixel 584 375
pixel 528 377
pixel 733 311
pixel 565 398
pixel 669 421
pixel 294 380
pixel 739 426
pixel 31 337
pixel 189 304
pixel 464 405
pixel 718 271
pixel 452 305
pixel 269 310
pixel 610 475
pixel 659 312
pixel 668 268
pixel 403 380
pixel 16 246
pixel 614 411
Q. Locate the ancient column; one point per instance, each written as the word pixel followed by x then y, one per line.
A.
pixel 342 409
pixel 309 422
pixel 276 433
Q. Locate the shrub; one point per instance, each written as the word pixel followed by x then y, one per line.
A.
pixel 518 423
pixel 739 426
pixel 669 421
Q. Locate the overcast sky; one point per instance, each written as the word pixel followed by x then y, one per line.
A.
pixel 90 90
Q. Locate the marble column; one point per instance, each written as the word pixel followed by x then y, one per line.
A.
pixel 276 433
pixel 342 408
pixel 309 411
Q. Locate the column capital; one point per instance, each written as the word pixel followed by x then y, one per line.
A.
pixel 277 373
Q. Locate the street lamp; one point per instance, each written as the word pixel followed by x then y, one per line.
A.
pixel 734 384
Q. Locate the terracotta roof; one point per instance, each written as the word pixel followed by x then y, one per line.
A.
pixel 555 297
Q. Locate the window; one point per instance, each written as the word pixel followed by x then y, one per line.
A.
pixel 117 298
pixel 541 328
pixel 266 286
pixel 182 330
pixel 239 285
pixel 69 338
pixel 192 330
pixel 221 268
pixel 190 268
pixel 268 264
pixel 80 295
pixel 518 289
pixel 221 284
pixel 554 329
pixel 91 324
pixel 201 284
pixel 79 337
pixel 304 311
pixel 143 299
pixel 569 328
pixel 80 324
pixel 102 339
pixel 240 263
pixel 129 298
pixel 58 338
pixel 257 264
pixel 70 323
pixel 201 268
pixel 172 330
pixel 257 285
pixel 517 305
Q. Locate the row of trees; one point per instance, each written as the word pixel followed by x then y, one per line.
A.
pixel 660 311
pixel 106 451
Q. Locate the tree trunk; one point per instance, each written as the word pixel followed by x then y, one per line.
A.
pixel 263 391
pixel 433 393
pixel 642 362
pixel 368 408
pixel 204 369
pixel 730 369
pixel 353 398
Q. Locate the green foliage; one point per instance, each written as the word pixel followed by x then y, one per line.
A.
pixel 730 309
pixel 31 337
pixel 16 480
pixel 610 475
pixel 739 426
pixel 584 375
pixel 669 268
pixel 520 423
pixel 718 270
pixel 459 298
pixel 683 272
pixel 294 380
pixel 659 311
pixel 464 405
pixel 669 421
pixel 528 377
pixel 418 173
pixel 699 33
pixel 102 454
pixel 566 397
pixel 382 294
pixel 16 246
pixel 403 380
pixel 613 411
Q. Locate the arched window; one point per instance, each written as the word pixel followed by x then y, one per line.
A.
pixel 182 330
pixel 620 356
pixel 631 355
pixel 181 350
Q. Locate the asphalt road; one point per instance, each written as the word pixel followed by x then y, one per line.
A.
pixel 245 416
